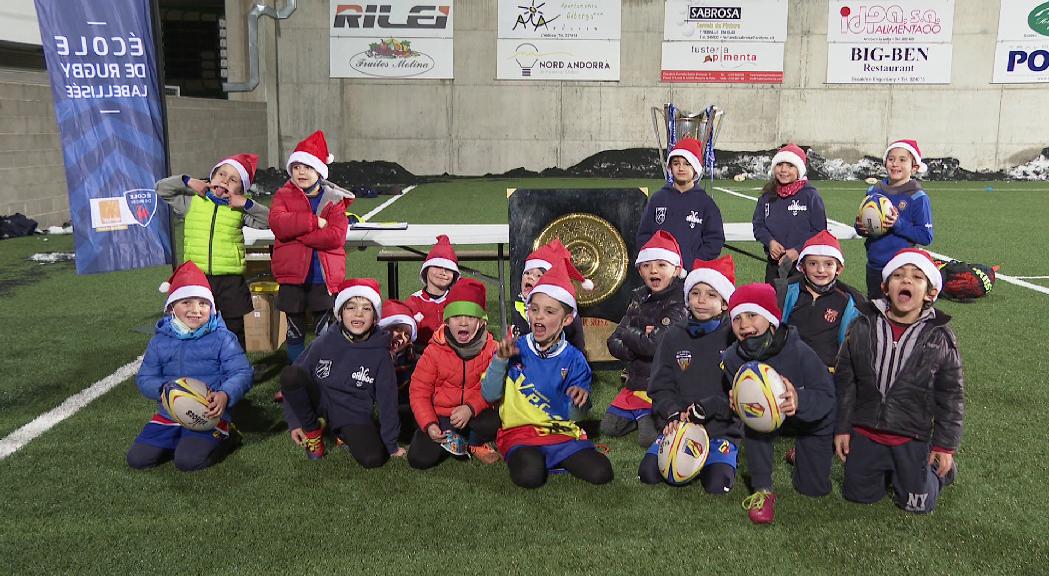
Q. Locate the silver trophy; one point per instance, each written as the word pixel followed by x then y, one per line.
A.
pixel 677 124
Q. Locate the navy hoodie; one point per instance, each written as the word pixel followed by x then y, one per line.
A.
pixel 691 217
pixel 789 221
pixel 803 367
pixel 352 377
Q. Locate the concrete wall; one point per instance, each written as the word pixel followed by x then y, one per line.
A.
pixel 475 124
pixel 32 173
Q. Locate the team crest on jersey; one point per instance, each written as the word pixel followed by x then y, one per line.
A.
pixel 661 214
pixel 724 447
pixel 684 359
pixel 323 369
pixel 796 207
pixel 564 373
pixel 830 315
pixel 693 219
pixel 902 205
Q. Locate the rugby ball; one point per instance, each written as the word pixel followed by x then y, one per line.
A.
pixel 186 400
pixel 873 211
pixel 756 391
pixel 683 453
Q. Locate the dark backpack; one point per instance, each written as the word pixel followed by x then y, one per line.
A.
pixel 963 281
pixel 16 225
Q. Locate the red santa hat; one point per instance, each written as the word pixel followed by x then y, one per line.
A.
pixel 544 256
pixel 822 244
pixel 396 312
pixel 364 287
pixel 443 255
pixel 661 246
pixel 692 151
pixel 557 283
pixel 467 298
pixel 793 155
pixel 912 147
pixel 187 281
pixel 244 164
pixel 919 258
pixel 757 298
pixel 719 274
pixel 313 152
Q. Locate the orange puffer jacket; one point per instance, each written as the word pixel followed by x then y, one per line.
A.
pixel 443 381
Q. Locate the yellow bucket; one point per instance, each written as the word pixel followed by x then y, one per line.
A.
pixel 264 287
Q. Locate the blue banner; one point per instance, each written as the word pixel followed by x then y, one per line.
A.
pixel 103 68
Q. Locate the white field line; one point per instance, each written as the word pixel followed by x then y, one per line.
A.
pixel 1031 277
pixel 1010 279
pixel 383 206
pixel 72 405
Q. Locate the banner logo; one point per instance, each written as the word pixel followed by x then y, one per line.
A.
pixel 378 16
pixel 714 13
pixel 1038 19
pixel 391 58
pixel 142 202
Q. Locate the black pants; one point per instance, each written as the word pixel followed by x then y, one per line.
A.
pixel 528 467
pixel 304 399
pixel 425 453
pixel 915 485
pixel 190 455
pixel 874 290
pixel 717 478
pixel 232 300
pixel 814 453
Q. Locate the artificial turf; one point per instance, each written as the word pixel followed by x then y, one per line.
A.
pixel 71 505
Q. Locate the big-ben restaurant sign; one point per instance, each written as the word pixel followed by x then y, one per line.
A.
pixel 390 39
pixel 889 42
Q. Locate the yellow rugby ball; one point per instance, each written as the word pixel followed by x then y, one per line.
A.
pixel 186 400
pixel 757 389
pixel 683 453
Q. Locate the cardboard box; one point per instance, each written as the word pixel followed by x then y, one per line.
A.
pixel 265 326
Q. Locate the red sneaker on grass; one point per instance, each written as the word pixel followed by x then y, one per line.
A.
pixel 485 453
pixel 761 507
pixel 314 444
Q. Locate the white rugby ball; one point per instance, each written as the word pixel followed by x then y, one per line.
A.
pixel 873 211
pixel 186 400
pixel 757 389
pixel 682 454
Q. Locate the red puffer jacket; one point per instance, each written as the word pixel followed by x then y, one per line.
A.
pixel 443 381
pixel 296 235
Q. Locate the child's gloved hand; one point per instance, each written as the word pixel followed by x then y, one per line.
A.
pixel 216 404
pixel 577 395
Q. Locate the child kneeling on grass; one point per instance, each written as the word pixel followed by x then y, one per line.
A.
pixel 808 402
pixel 653 308
pixel 343 376
pixel 901 395
pixel 191 341
pixel 537 263
pixel 543 383
pixel 438 273
pixel 398 323
pixel 687 381
pixel 446 387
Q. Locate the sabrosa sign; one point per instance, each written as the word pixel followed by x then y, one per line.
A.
pixel 890 21
pixel 888 63
pixel 703 20
pixel 393 39
pixel 750 62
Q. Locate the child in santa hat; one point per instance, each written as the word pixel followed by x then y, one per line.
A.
pixel 537 263
pixel 190 341
pixel 789 212
pixel 216 211
pixel 808 402
pixel 687 382
pixel 439 271
pixel 542 385
pixel 900 391
pixel 397 321
pixel 308 218
pixel 683 208
pixel 446 386
pixel 817 302
pixel 344 377
pixel 653 308
pixel 910 223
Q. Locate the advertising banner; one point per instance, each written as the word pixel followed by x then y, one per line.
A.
pixel 558 40
pixel 1021 54
pixel 393 39
pixel 889 63
pixel 752 62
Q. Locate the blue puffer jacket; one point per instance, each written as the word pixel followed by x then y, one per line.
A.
pixel 214 358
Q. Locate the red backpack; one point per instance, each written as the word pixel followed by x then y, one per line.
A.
pixel 963 281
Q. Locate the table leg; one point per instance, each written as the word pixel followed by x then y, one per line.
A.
pixel 392 276
pixel 502 292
